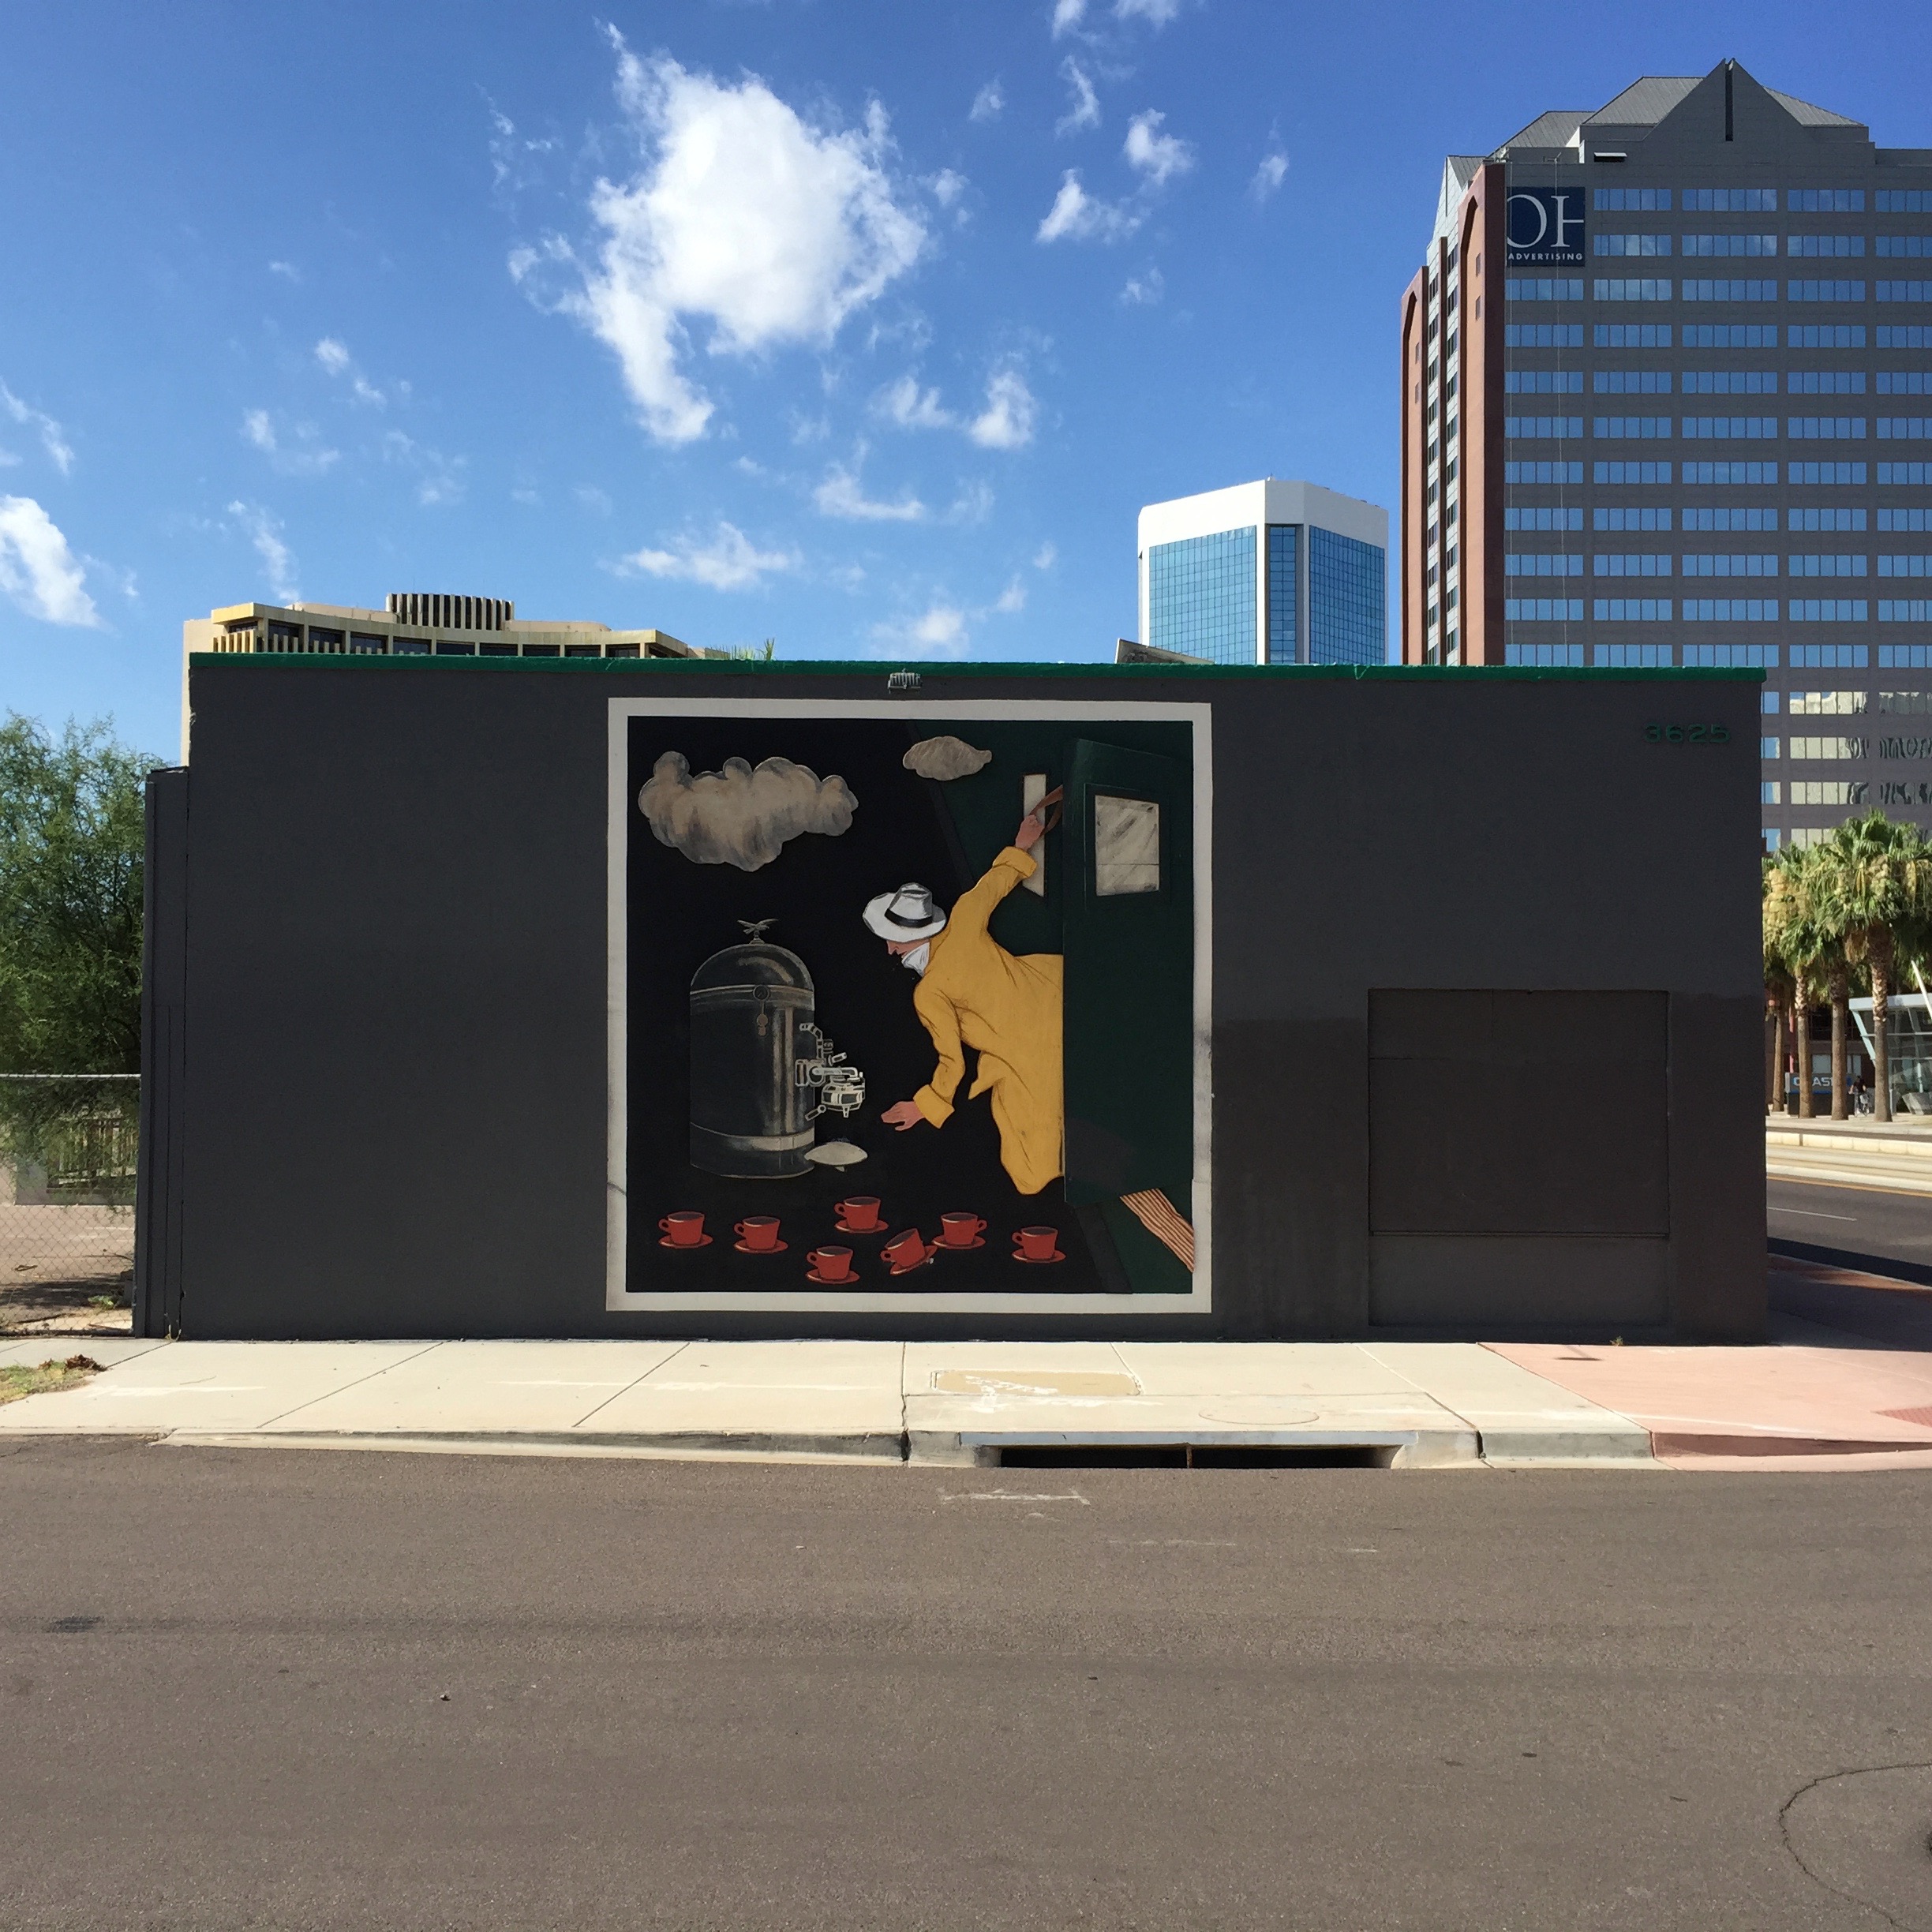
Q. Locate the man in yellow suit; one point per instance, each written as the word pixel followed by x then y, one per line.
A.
pixel 972 992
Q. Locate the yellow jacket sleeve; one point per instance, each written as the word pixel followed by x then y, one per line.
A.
pixel 938 1016
pixel 972 910
pixel 966 925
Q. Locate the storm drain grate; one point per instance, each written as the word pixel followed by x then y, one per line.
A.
pixel 1191 1455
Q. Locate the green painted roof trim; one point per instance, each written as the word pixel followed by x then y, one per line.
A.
pixel 882 667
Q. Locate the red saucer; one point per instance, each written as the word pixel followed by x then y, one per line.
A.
pixel 664 1240
pixel 915 1268
pixel 1038 1260
pixel 846 1228
pixel 746 1247
pixel 947 1247
pixel 826 1281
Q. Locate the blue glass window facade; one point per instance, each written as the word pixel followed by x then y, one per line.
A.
pixel 1284 593
pixel 1348 599
pixel 1201 596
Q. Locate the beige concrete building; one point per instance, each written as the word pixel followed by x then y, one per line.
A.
pixel 414 624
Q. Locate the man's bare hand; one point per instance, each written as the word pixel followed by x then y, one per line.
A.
pixel 904 1115
pixel 1033 829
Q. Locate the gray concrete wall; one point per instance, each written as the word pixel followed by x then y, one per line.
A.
pixel 391 1104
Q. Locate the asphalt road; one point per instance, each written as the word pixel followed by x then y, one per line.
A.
pixel 1866 1221
pixel 293 1688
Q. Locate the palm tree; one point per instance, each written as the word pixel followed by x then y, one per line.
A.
pixel 1876 882
pixel 1777 974
pixel 1838 991
pixel 1799 918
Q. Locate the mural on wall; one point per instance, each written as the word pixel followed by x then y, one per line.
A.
pixel 907 1005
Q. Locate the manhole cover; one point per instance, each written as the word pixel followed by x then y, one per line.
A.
pixel 1867 1835
pixel 1258 1411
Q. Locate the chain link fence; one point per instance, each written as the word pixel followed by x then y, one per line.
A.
pixel 67 1145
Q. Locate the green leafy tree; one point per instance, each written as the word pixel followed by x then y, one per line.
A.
pixel 71 843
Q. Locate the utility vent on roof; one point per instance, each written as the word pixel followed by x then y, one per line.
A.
pixel 450 613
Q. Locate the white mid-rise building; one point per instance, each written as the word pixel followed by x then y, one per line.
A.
pixel 1265 573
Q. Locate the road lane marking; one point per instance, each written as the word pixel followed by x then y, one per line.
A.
pixel 1010 1495
pixel 1812 1213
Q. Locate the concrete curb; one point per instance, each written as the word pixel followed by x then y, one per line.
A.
pixel 874 1451
pixel 1543 1448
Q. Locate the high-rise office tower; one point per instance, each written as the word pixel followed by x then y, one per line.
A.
pixel 1266 573
pixel 1666 378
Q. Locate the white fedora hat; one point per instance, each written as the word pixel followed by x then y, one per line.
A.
pixel 909 913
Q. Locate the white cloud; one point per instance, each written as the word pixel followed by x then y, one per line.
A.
pixel 38 571
pixel 841 495
pixel 1269 176
pixel 56 445
pixel 974 503
pixel 335 358
pixel 947 186
pixel 745 217
pixel 1067 15
pixel 1155 13
pixel 1085 111
pixel 1045 557
pixel 1157 155
pixel 509 152
pixel 306 456
pixel 987 102
pixel 8 460
pixel 903 402
pixel 287 270
pixel 1006 422
pixel 264 532
pixel 944 629
pixel 594 498
pixel 939 631
pixel 1077 216
pixel 728 561
pixel 440 478
pixel 1143 291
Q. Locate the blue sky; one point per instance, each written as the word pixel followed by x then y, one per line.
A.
pixel 863 327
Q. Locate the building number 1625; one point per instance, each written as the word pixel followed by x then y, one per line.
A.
pixel 1688 733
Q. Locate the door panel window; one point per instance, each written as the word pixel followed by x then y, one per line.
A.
pixel 1126 846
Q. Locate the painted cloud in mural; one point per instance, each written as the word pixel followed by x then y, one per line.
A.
pixel 740 816
pixel 945 757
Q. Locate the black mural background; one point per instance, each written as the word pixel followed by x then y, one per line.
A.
pixel 680 913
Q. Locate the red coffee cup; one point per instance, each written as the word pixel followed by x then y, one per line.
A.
pixel 961 1230
pixel 759 1232
pixel 831 1264
pixel 685 1229
pixel 907 1250
pixel 861 1213
pixel 1038 1244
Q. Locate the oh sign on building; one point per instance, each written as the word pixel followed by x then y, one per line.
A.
pixel 1544 227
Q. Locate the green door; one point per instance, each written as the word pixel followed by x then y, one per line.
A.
pixel 1130 1015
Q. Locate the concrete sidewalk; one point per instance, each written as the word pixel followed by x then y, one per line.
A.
pixel 1823 1397
pixel 1893 1155
pixel 1412 1405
